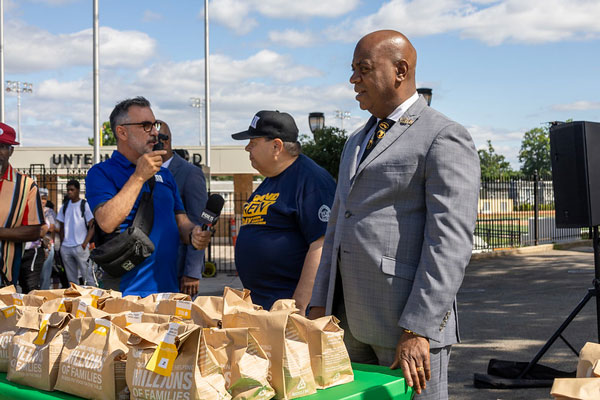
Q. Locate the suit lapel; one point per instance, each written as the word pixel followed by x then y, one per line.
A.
pixel 401 126
pixel 174 165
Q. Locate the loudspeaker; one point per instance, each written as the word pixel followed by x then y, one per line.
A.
pixel 575 152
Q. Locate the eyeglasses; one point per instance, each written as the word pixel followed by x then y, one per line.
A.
pixel 146 125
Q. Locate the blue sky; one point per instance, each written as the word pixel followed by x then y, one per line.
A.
pixel 499 67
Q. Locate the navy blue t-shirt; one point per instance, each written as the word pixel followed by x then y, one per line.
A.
pixel 281 219
pixel 158 273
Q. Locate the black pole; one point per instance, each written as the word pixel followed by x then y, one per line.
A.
pixel 536 211
pixel 597 276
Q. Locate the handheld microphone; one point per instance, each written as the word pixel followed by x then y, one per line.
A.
pixel 211 213
pixel 159 145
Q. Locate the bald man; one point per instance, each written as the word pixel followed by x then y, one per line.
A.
pixel 192 189
pixel 400 233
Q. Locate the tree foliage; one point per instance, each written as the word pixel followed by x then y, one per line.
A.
pixel 325 148
pixel 108 139
pixel 535 152
pixel 493 165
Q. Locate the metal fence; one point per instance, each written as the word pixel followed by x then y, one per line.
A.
pixel 512 212
pixel 515 212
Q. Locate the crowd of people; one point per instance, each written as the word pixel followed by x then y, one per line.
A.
pixel 384 248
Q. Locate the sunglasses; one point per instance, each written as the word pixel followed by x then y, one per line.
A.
pixel 146 125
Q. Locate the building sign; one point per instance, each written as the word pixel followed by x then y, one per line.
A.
pixel 66 160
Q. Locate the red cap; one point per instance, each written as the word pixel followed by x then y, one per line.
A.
pixel 7 134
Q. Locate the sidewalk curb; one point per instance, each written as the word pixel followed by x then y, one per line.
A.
pixel 531 249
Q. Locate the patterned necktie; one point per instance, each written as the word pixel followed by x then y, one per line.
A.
pixel 382 127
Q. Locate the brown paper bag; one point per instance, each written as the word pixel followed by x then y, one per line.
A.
pixel 284 304
pixel 19 299
pixel 77 290
pixel 118 305
pixel 576 389
pixel 9 316
pixel 81 308
pixel 284 343
pixel 8 289
pixel 49 294
pixel 94 347
pixel 212 306
pixel 329 358
pixel 127 318
pixel 588 356
pixel 61 304
pixel 186 310
pixel 244 364
pixel 162 363
pixel 150 302
pixel 237 300
pixel 35 349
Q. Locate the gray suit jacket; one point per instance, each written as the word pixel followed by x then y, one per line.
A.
pixel 192 189
pixel 402 225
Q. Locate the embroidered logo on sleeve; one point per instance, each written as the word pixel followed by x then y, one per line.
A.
pixel 324 213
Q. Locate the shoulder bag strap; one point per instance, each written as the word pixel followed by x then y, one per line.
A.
pixel 144 217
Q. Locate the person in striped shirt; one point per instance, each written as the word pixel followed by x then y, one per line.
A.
pixel 21 212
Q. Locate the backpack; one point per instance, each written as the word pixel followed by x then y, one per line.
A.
pixel 81 205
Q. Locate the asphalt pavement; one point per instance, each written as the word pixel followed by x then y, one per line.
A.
pixel 509 307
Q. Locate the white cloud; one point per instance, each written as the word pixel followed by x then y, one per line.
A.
pixel 506 143
pixel 151 16
pixel 236 14
pixel 30 49
pixel 492 22
pixel 581 105
pixel 293 38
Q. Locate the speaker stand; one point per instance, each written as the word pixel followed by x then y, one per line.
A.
pixel 523 378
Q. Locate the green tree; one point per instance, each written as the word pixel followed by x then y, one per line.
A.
pixel 493 165
pixel 108 139
pixel 325 148
pixel 535 152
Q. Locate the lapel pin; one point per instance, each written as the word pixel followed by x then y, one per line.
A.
pixel 406 121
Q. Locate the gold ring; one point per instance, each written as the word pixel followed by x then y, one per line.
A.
pixel 420 368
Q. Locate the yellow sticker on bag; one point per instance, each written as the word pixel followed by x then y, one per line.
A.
pixel 164 356
pixel 41 337
pixel 8 311
pixel 81 309
pixel 96 293
pixel 61 306
pixel 17 299
pixel 102 326
pixel 183 309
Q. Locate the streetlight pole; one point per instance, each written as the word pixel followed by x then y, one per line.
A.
pixel 19 87
pixel 206 93
pixel 198 102
pixel 1 60
pixel 342 115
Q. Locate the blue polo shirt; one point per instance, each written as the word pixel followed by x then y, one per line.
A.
pixel 158 273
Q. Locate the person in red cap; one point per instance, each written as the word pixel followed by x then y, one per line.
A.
pixel 21 211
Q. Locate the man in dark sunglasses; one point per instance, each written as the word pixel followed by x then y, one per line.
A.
pixel 113 191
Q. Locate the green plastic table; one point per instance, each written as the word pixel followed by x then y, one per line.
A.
pixel 371 382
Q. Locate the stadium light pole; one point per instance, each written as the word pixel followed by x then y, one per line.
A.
pixel 96 94
pixel 198 102
pixel 342 115
pixel 19 87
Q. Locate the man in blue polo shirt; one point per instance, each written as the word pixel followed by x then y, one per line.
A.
pixel 113 191
pixel 279 246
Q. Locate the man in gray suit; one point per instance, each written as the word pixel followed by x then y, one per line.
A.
pixel 192 189
pixel 401 228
